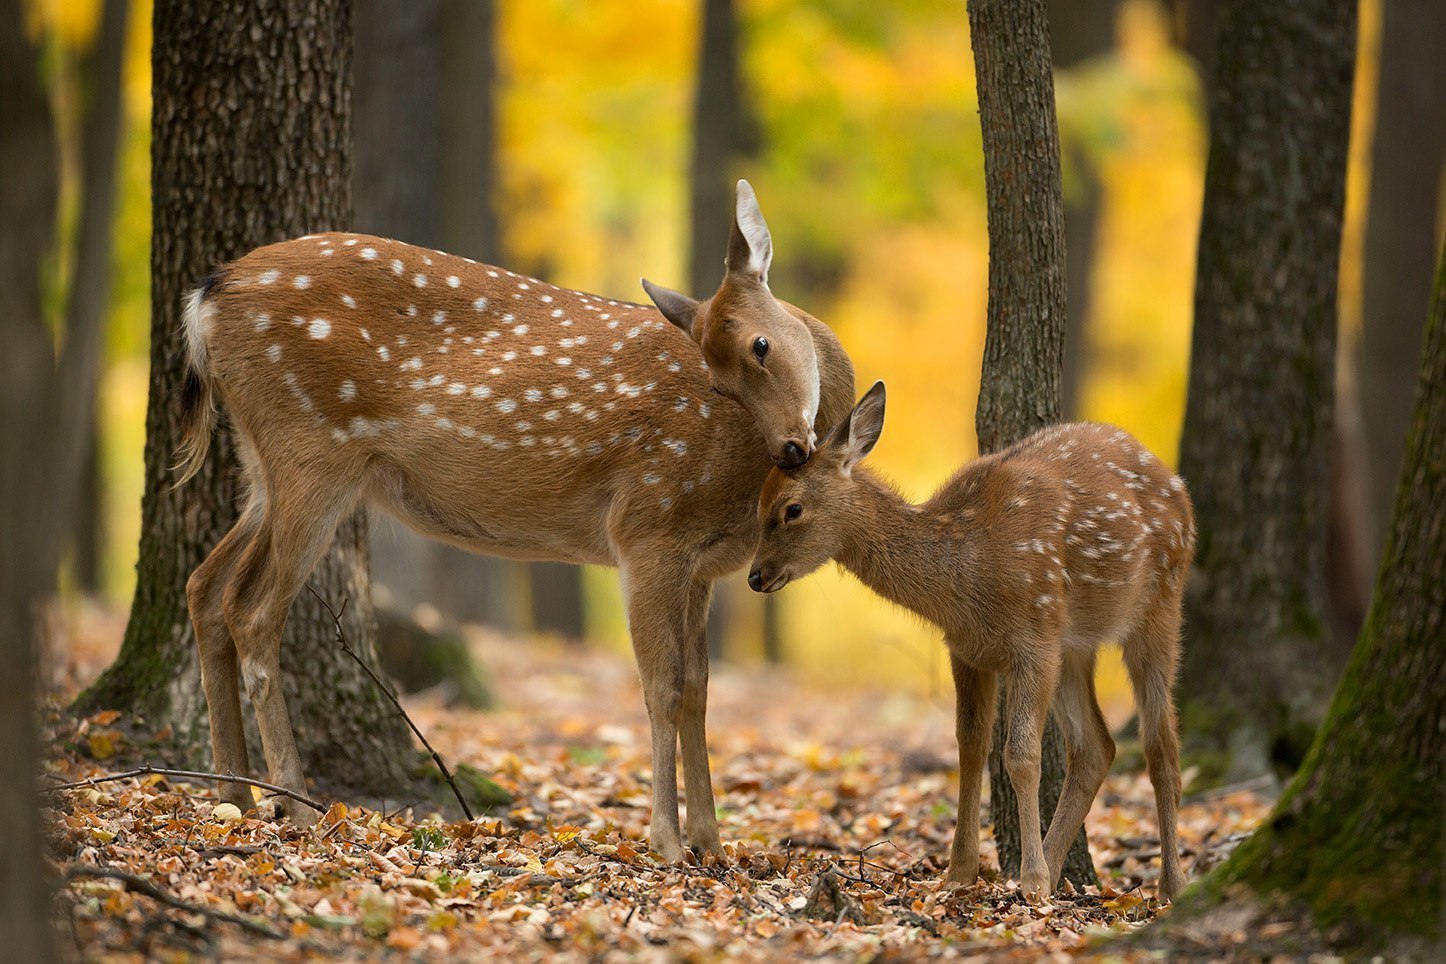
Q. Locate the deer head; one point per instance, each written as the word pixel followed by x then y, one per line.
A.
pixel 800 510
pixel 758 353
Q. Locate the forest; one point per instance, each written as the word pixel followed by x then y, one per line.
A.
pixel 426 429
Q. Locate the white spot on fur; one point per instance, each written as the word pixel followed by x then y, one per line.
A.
pixel 319 328
pixel 369 254
pixel 420 281
pixel 274 353
pixel 347 392
pixel 301 281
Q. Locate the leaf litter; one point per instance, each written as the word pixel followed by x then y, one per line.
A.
pixel 836 807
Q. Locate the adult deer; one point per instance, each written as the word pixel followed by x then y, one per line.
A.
pixel 506 416
pixel 1028 560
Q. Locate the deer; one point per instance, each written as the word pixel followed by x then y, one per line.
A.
pixel 1028 560
pixel 506 416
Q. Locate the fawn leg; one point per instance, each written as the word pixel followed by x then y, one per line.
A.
pixel 974 697
pixel 1031 688
pixel 1152 653
pixel 1091 750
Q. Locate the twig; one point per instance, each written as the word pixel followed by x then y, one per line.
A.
pixel 147 769
pixel 346 648
pixel 144 887
pixel 1254 785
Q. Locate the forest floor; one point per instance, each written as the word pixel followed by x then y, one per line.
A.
pixel 837 809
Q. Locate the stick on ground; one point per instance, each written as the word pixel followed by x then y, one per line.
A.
pixel 140 885
pixel 346 648
pixel 147 769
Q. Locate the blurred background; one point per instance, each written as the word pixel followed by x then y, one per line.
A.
pixel 589 144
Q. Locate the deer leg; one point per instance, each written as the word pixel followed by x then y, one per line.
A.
pixel 974 695
pixel 218 658
pixel 656 623
pixel 1031 688
pixel 1152 653
pixel 291 540
pixel 692 731
pixel 1090 749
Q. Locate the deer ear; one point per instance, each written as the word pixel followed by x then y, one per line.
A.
pixel 859 432
pixel 677 308
pixel 750 246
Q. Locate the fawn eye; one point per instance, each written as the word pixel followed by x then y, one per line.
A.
pixel 760 347
pixel 793 511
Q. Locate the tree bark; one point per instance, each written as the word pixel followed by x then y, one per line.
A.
pixel 251 144
pixel 1401 231
pixel 29 544
pixel 1356 841
pixel 1019 388
pixel 424 78
pixel 723 135
pixel 89 295
pixel 1259 660
pixel 1079 31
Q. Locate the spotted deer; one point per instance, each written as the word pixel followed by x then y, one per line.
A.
pixel 1028 560
pixel 506 416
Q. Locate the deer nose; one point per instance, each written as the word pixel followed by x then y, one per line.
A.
pixel 794 455
pixel 755 580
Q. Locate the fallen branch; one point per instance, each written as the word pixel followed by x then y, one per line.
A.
pixel 147 769
pixel 144 887
pixel 346 648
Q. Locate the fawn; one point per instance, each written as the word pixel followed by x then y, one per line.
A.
pixel 1027 559
pixel 509 417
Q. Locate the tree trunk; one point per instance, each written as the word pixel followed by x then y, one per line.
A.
pixel 89 295
pixel 1401 231
pixel 1019 388
pixel 723 135
pixel 424 79
pixel 1079 31
pixel 557 600
pixel 1259 659
pixel 29 544
pixel 1356 841
pixel 251 144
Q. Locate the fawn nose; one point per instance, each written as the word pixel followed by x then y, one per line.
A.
pixel 794 455
pixel 755 580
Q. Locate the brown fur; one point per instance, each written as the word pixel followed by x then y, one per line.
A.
pixel 356 368
pixel 1028 560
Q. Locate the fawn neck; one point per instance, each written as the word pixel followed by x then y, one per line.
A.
pixel 902 553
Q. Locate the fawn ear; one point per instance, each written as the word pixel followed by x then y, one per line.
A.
pixel 676 307
pixel 750 247
pixel 860 431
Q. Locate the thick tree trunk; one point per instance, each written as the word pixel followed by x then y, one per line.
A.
pixel 1401 231
pixel 250 144
pixel 1259 660
pixel 1019 388
pixel 424 79
pixel 29 541
pixel 1356 841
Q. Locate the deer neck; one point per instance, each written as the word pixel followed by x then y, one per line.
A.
pixel 900 552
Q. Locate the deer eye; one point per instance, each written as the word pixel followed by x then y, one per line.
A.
pixel 760 347
pixel 793 511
